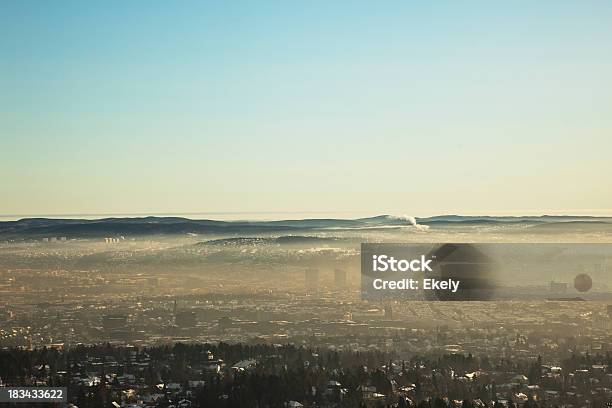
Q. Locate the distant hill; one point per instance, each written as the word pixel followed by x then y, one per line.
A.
pixel 522 218
pixel 575 226
pixel 283 240
pixel 135 226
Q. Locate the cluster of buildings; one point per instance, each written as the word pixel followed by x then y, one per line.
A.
pixel 62 296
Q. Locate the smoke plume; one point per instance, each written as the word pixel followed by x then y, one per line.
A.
pixel 412 221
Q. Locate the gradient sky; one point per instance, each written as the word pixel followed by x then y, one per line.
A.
pixel 301 107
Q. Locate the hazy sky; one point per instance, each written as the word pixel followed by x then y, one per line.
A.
pixel 339 107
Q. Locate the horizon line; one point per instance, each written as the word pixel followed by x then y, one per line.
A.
pixel 301 214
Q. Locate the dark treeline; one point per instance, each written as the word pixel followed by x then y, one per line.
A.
pixel 210 375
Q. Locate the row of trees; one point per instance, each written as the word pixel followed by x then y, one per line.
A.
pixel 282 373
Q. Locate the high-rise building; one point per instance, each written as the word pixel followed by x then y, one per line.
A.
pixel 558 287
pixel 339 279
pixel 388 312
pixel 311 277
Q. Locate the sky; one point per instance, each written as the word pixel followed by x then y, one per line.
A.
pixel 314 107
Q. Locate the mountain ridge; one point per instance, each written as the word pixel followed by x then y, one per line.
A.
pixel 152 225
